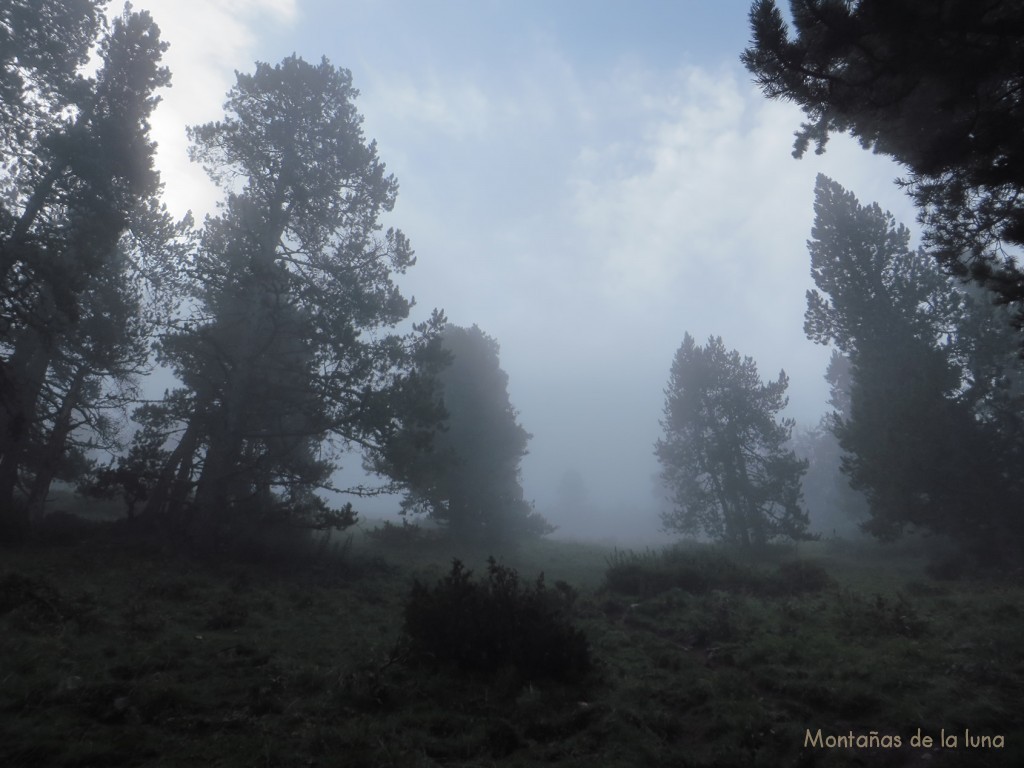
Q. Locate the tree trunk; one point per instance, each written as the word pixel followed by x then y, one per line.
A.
pixel 11 250
pixel 165 492
pixel 214 491
pixel 22 379
pixel 54 449
pixel 218 483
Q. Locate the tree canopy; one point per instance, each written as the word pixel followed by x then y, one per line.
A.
pixel 912 431
pixel 937 87
pixel 723 453
pixel 80 224
pixel 467 476
pixel 288 348
pixel 281 321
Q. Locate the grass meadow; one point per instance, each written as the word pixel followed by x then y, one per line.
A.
pixel 119 650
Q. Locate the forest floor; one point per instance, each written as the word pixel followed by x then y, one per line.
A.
pixel 116 651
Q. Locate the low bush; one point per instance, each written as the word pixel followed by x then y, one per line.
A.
pixel 17 591
pixel 701 571
pixel 880 616
pixel 497 624
pixel 798 576
pixel 948 568
pixel 693 571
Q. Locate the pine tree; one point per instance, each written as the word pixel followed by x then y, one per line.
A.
pixel 80 220
pixel 465 475
pixel 288 352
pixel 723 454
pixel 912 436
pixel 936 86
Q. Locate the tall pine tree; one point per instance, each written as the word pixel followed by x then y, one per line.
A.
pixel 79 214
pixel 913 439
pixel 289 347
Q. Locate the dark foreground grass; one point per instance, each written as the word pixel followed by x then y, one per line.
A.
pixel 115 653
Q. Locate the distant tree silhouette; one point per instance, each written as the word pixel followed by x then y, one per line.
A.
pixel 467 476
pixel 572 501
pixel 723 453
pixel 834 506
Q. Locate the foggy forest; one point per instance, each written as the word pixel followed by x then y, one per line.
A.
pixel 677 419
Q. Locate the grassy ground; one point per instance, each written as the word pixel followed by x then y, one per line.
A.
pixel 115 652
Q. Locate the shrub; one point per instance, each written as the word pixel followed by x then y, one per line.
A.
pixel 948 568
pixel 701 571
pixel 17 591
pixel 35 605
pixel 497 624
pixel 881 617
pixel 693 571
pixel 799 576
pixel 643 575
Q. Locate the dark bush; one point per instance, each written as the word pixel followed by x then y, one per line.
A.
pixel 693 571
pixel 17 591
pixel 700 571
pixel 644 575
pixel 881 616
pixel 799 576
pixel 497 624
pixel 948 568
pixel 37 606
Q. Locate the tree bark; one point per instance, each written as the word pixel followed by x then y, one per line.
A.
pixel 22 378
pixel 165 492
pixel 54 449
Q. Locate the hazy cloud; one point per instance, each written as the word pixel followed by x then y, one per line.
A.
pixel 209 40
pixel 454 109
pixel 587 223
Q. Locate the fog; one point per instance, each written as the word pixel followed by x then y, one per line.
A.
pixel 586 183
pixel 708 460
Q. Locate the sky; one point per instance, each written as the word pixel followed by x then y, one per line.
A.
pixel 585 180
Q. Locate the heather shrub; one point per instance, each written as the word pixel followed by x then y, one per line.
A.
pixel 799 576
pixel 702 571
pixel 497 624
pixel 694 571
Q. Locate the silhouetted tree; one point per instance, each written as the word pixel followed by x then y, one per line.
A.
pixel 467 475
pixel 912 437
pixel 937 87
pixel 723 454
pixel 80 221
pixel 43 46
pixel 286 354
pixel 572 501
pixel 834 506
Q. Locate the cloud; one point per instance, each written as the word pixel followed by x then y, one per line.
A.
pixel 706 194
pixel 209 40
pixel 457 110
pixel 702 218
